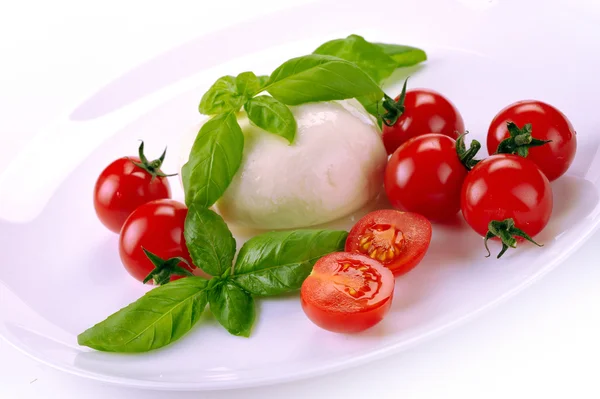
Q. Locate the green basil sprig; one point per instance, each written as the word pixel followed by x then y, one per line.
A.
pixel 233 307
pixel 316 77
pixel 269 264
pixel 278 262
pixel 367 56
pixel 155 320
pixel 404 56
pixel 247 85
pixel 209 241
pixel 378 60
pixel 229 93
pixel 221 97
pixel 272 115
pixel 214 159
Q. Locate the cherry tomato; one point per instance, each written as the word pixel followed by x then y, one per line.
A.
pixel 126 184
pixel 507 186
pixel 399 240
pixel 547 123
pixel 425 175
pixel 425 111
pixel 156 226
pixel 347 293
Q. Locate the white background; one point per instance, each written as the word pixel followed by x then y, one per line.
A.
pixel 543 343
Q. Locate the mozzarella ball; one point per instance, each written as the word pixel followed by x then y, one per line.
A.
pixel 334 167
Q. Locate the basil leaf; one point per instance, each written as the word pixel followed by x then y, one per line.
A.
pixel 372 106
pixel 317 77
pixel 214 159
pixel 263 80
pixel 247 85
pixel 272 115
pixel 278 262
pixel 232 307
pixel 403 55
pixel 160 317
pixel 368 56
pixel 209 241
pixel 221 97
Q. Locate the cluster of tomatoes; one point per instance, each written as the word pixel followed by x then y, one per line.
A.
pixel 132 198
pixel 431 176
pixel 507 194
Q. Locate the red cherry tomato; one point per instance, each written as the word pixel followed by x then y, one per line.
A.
pixel 347 293
pixel 425 111
pixel 399 240
pixel 547 123
pixel 156 226
pixel 507 186
pixel 425 175
pixel 124 185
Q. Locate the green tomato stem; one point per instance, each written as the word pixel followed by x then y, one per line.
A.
pixel 164 269
pixel 467 157
pixel 506 231
pixel 393 109
pixel 520 140
pixel 152 167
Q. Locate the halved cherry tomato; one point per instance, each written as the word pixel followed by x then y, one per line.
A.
pixel 157 227
pixel 347 293
pixel 425 111
pixel 399 240
pixel 126 184
pixel 546 124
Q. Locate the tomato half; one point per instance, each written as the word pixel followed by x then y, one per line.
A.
pixel 156 226
pixel 425 111
pixel 507 186
pixel 547 123
pixel 347 293
pixel 425 176
pixel 126 184
pixel 399 240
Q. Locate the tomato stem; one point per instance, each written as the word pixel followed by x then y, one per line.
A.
pixel 393 109
pixel 467 157
pixel 520 140
pixel 164 269
pixel 152 167
pixel 506 231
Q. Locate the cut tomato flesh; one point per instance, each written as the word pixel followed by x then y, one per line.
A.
pixel 347 292
pixel 355 279
pixel 397 239
pixel 382 242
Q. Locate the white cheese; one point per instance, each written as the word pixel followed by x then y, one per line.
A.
pixel 334 167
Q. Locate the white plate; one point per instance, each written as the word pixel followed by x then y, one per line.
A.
pixel 476 59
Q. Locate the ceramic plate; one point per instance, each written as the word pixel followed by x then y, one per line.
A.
pixel 475 58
